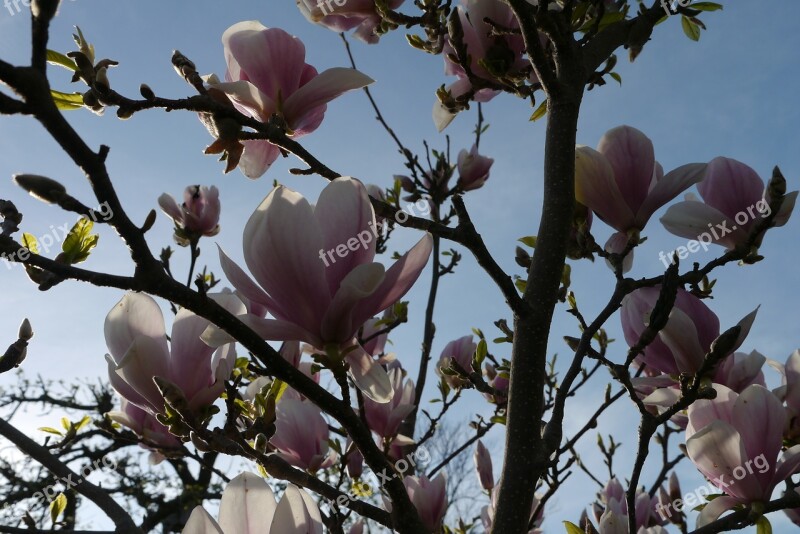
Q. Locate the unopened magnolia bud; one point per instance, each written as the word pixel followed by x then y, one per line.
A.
pixel 260 443
pixel 124 113
pixel 41 187
pixel 149 221
pixel 101 80
pixel 199 443
pixel 146 92
pixel 777 184
pixel 25 330
pixel 44 9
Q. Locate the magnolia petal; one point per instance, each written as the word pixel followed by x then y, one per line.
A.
pixel 257 157
pixel 293 516
pixel 398 280
pixel 136 314
pixel 369 377
pixel 597 189
pixel 714 509
pixel 441 116
pixel 282 248
pixel 788 465
pixel 745 324
pixel 323 88
pixel 631 156
pixel 346 218
pixel 361 282
pixel 170 207
pixel 123 388
pixel 717 450
pixel 248 99
pixel 760 418
pixel 616 244
pixel 269 329
pixel 243 283
pixel 680 336
pixel 200 522
pixel 695 220
pixel 730 186
pixel 247 506
pixel 703 411
pixel 667 188
pixel 141 363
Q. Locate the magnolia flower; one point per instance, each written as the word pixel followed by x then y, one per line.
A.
pixel 490 56
pixel 473 169
pixel 459 351
pixel 286 244
pixel 483 466
pixel 499 380
pixel 267 75
pixel 667 499
pixel 344 15
pixel 137 341
pixel 735 440
pixel 429 497
pixel 734 201
pixel 301 435
pixel 624 185
pixel 197 216
pixel 612 512
pixel 385 418
pixel 355 460
pixel 248 506
pixel 487 512
pixel 682 344
pixel 374 343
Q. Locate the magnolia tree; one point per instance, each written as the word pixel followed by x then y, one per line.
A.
pixel 282 361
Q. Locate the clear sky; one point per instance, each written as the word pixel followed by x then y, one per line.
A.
pixel 733 94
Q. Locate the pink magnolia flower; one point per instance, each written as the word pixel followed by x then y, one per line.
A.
pixel 146 427
pixel 490 56
pixel 197 216
pixel 315 277
pixel 344 15
pixel 734 201
pixel 682 344
pixel 459 351
pixel 374 344
pixel 487 512
pixel 499 380
pixel 473 169
pixel 624 185
pixel 355 460
pixel 612 512
pixel 385 418
pixel 248 506
pixel 735 440
pixel 483 466
pixel 137 342
pixel 267 75
pixel 429 497
pixel 301 435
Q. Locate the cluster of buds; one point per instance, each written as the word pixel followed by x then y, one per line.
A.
pixel 94 74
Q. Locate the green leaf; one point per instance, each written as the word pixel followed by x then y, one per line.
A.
pixel 529 241
pixel 80 241
pixel 65 423
pixel 691 29
pixel 499 419
pixel 616 77
pixel 572 528
pixel 50 430
pixel 763 526
pixel 58 506
pixel 540 112
pixel 83 422
pixel 67 101
pixel 480 355
pixel 29 242
pixel 277 389
pixel 521 284
pixel 57 58
pixel 706 6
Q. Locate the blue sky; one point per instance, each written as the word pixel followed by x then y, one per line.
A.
pixel 732 94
